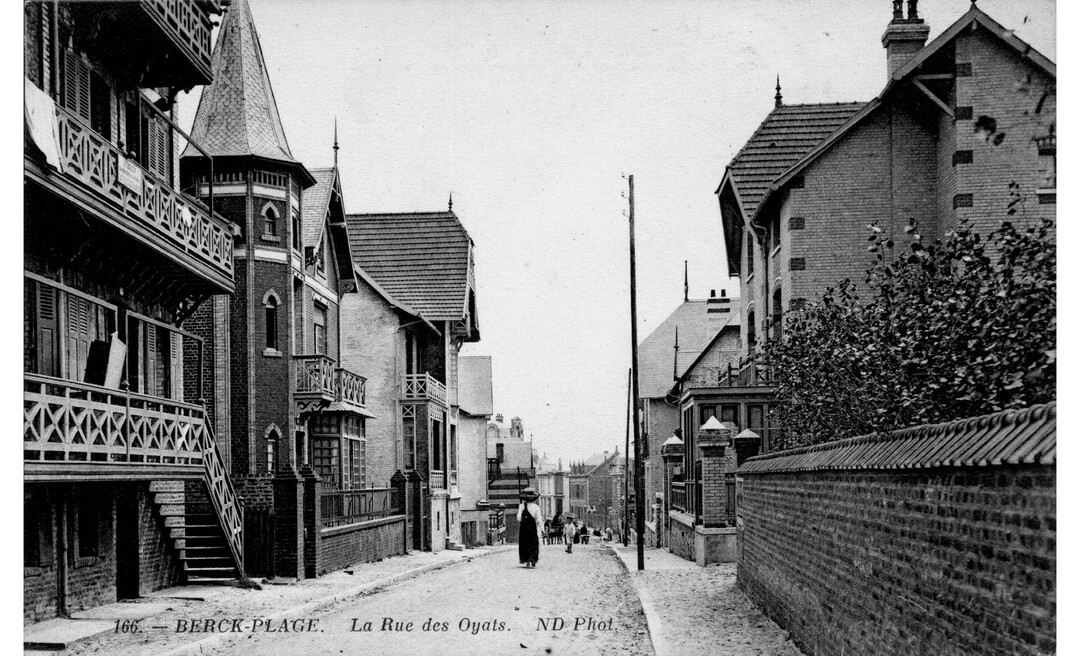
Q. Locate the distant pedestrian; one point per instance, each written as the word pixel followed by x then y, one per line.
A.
pixel 547 531
pixel 530 528
pixel 584 534
pixel 569 534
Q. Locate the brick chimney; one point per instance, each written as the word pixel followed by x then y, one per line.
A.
pixel 904 36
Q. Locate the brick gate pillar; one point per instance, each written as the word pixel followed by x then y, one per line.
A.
pixel 289 524
pixel 400 487
pixel 714 438
pixel 672 453
pixel 415 509
pixel 312 521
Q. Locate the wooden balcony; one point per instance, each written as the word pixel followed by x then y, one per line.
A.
pixel 751 371
pixel 76 431
pixel 94 175
pixel 152 43
pixel 422 387
pixel 321 383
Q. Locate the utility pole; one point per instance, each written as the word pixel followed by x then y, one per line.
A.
pixel 626 455
pixel 639 466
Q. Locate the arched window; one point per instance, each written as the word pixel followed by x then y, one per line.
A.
pixel 270 303
pixel 272 438
pixel 269 221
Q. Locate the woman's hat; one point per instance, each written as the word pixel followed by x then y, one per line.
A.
pixel 529 493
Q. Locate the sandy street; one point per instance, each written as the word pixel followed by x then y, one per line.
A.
pixel 488 606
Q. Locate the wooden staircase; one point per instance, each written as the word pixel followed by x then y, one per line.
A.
pixel 196 533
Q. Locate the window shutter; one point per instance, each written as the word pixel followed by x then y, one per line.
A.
pixel 151 360
pixel 47 331
pixel 176 359
pixel 159 149
pixel 76 85
pixel 79 336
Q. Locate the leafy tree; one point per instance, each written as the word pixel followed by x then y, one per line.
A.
pixel 957 328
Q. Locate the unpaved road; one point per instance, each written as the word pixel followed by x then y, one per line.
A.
pixel 491 605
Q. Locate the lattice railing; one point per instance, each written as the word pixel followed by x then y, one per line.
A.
pixel 315 374
pixel 751 371
pixel 185 20
pixel 422 387
pixel 351 388
pixel 91 159
pixel 222 495
pixel 75 422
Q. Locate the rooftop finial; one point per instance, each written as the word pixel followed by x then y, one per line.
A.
pixel 675 366
pixel 686 282
pixel 450 205
pixel 779 98
pixel 335 142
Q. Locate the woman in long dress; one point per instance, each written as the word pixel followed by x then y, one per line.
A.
pixel 530 525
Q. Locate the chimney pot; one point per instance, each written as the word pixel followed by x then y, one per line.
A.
pixel 903 36
pixel 723 293
pixel 712 293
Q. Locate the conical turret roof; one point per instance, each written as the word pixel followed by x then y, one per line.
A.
pixel 237 114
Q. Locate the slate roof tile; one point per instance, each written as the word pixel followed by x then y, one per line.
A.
pixel 237 113
pixel 419 258
pixel 316 200
pixel 656 353
pixel 786 134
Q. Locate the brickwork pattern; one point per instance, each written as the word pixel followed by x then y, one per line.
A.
pixel 159 561
pixel 366 543
pixel 897 562
pixel 681 540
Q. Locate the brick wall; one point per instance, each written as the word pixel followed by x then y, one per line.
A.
pixel 361 543
pixel 899 559
pixel 1007 89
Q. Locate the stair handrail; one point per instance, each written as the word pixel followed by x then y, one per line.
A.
pixel 222 495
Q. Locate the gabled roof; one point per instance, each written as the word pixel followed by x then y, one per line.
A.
pixel 786 134
pixel 974 17
pixel 697 329
pixel 316 202
pixel 237 114
pixel 420 258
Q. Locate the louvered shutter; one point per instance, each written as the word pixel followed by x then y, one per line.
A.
pixel 79 336
pixel 47 331
pixel 158 148
pixel 176 363
pixel 151 361
pixel 76 85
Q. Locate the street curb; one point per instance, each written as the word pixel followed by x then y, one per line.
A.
pixel 652 617
pixel 199 647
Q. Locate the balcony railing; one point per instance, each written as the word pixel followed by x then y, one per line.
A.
pixel 65 421
pixel 187 24
pixel 175 220
pixel 344 507
pixel 678 495
pixel 751 371
pixel 437 480
pixel 318 378
pixel 422 387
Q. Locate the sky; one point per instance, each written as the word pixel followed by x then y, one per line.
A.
pixel 530 114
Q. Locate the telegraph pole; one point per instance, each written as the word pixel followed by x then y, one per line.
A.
pixel 639 466
pixel 626 455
